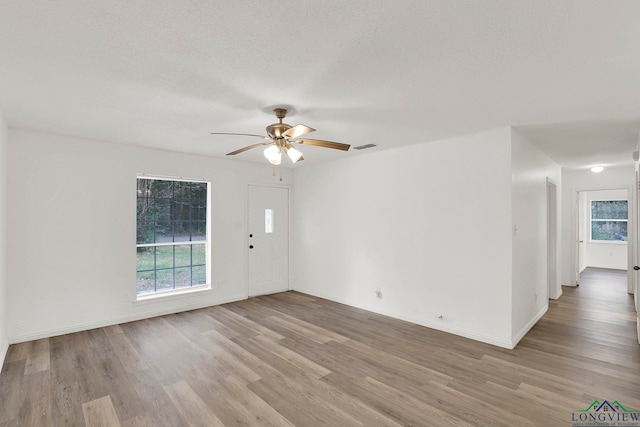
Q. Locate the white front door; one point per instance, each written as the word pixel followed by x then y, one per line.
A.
pixel 268 239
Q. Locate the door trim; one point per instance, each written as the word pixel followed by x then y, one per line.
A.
pixel 552 241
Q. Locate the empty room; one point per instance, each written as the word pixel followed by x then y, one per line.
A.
pixel 409 213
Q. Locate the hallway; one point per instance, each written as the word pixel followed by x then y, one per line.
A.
pixel 589 334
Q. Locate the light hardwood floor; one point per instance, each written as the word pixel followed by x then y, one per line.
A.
pixel 291 359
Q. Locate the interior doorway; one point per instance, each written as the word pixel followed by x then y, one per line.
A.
pixel 603 228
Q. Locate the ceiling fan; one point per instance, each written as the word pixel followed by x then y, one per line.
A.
pixel 282 137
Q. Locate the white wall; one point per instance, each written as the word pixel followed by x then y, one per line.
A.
pixel 4 330
pixel 428 224
pixel 72 211
pixel 585 180
pixel 604 254
pixel 530 170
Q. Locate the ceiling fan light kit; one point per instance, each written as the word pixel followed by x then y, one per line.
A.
pixel 282 137
pixel 273 154
pixel 293 153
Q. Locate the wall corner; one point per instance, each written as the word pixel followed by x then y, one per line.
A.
pixel 4 329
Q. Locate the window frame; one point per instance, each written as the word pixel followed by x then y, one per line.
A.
pixel 171 293
pixel 592 220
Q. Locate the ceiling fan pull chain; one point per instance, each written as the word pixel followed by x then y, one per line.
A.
pixel 274 171
pixel 280 174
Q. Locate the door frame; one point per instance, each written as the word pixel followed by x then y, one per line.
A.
pixel 553 289
pixel 246 232
pixel 631 228
pixel 580 217
pixel 636 247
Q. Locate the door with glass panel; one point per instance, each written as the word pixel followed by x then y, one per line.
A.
pixel 268 239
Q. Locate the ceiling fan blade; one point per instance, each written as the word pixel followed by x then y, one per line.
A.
pixel 322 143
pixel 297 130
pixel 240 134
pixel 248 147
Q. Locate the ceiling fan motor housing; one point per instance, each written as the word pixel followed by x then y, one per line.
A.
pixel 276 130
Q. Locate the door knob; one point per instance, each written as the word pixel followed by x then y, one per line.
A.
pixel 251 247
pixel 635 267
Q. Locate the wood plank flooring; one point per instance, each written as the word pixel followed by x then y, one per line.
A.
pixel 294 360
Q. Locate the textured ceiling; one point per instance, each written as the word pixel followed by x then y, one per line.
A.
pixel 166 73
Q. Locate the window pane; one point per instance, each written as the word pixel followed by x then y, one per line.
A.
pixel 145 282
pixel 199 275
pixel 164 280
pixel 199 214
pixel 199 194
pixel 180 210
pixel 164 257
pixel 144 187
pixel 161 213
pixel 161 189
pixel 183 255
pixel 609 230
pixel 609 209
pixel 179 188
pixel 144 221
pixel 181 231
pixel 268 221
pixel 145 232
pixel 199 254
pixel 183 277
pixel 160 208
pixel 145 259
pixel 198 231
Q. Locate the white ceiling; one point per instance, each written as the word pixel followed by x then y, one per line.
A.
pixel 165 73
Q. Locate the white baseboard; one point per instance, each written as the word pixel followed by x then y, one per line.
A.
pixel 528 326
pixel 433 325
pixel 559 294
pixel 118 320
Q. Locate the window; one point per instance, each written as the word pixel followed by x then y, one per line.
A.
pixel 609 220
pixel 268 221
pixel 171 241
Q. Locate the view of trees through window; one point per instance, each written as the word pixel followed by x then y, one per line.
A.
pixel 171 235
pixel 609 220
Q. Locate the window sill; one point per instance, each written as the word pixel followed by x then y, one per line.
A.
pixel 170 295
pixel 609 242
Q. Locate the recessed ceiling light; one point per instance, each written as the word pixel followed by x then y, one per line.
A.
pixel 597 169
